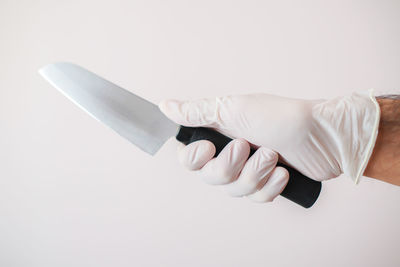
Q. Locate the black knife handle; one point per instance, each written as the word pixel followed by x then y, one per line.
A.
pixel 300 189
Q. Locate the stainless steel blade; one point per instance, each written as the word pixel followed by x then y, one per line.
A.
pixel 136 119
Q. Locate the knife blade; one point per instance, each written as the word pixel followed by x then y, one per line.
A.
pixel 143 124
pixel 134 118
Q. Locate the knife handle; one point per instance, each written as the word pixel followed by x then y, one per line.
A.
pixel 300 189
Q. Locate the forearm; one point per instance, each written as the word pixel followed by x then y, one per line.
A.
pixel 384 163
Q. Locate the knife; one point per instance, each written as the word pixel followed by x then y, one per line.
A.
pixel 143 124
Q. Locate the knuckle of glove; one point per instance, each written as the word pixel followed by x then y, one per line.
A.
pixel 227 166
pixel 219 175
pixel 273 187
pixel 196 154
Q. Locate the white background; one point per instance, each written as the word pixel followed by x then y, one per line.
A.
pixel 73 193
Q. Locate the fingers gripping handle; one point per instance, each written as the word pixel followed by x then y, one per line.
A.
pixel 300 189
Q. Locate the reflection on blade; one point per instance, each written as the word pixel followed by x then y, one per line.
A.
pixel 136 119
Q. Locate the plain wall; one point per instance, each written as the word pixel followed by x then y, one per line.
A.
pixel 73 193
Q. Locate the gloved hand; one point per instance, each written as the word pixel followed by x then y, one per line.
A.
pixel 320 138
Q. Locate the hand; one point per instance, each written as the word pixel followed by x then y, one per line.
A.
pixel 320 138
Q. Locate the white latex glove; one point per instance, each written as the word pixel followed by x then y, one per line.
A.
pixel 320 138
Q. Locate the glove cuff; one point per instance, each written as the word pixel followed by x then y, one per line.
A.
pixel 349 126
pixel 370 113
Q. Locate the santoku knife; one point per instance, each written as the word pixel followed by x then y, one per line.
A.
pixel 143 124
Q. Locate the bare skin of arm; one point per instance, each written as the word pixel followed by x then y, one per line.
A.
pixel 384 163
